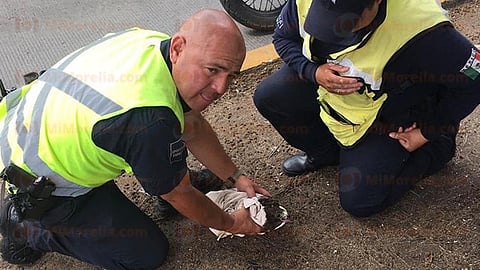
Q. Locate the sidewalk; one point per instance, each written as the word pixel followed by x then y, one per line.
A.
pixel 37 33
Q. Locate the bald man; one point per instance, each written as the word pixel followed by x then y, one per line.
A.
pixel 129 102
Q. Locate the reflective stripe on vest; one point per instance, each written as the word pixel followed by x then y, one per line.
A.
pixel 349 117
pixel 7 106
pixel 55 81
pixel 30 154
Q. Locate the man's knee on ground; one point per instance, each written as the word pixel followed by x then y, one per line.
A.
pixel 359 207
pixel 157 260
pixel 151 259
pixel 149 251
pixel 158 253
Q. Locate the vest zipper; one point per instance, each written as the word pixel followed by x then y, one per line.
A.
pixel 339 117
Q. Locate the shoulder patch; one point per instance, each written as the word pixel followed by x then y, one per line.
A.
pixel 176 151
pixel 472 67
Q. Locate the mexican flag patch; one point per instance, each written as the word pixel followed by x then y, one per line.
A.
pixel 472 67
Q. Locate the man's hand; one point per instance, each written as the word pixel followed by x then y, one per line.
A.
pixel 250 187
pixel 243 224
pixel 196 206
pixel 203 143
pixel 411 138
pixel 327 76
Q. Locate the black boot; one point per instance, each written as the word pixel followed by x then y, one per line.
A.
pixel 301 164
pixel 203 180
pixel 14 237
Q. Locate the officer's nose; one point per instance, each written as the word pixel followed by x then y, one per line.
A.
pixel 220 84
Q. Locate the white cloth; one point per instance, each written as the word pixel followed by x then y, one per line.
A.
pixel 231 200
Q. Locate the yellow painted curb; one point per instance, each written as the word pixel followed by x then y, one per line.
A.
pixel 258 56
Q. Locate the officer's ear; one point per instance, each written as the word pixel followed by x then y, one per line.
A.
pixel 177 47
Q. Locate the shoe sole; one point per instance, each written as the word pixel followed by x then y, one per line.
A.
pixel 7 247
pixel 293 174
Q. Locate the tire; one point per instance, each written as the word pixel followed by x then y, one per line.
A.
pixel 260 15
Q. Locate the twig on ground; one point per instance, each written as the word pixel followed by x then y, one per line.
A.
pixel 400 258
pixel 416 194
pixel 275 150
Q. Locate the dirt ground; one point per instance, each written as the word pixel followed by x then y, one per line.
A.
pixel 436 225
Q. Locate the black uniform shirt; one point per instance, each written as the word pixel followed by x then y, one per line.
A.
pixel 435 62
pixel 149 139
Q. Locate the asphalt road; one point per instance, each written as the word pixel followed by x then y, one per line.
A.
pixel 35 34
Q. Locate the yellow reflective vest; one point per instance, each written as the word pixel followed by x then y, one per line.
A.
pixel 46 127
pixel 348 117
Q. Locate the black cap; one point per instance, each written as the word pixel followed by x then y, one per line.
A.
pixel 332 21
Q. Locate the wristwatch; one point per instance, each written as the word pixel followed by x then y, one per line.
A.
pixel 230 182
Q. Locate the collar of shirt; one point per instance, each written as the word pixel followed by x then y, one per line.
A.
pixel 165 49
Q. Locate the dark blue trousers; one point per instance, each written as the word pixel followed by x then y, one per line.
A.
pixel 376 172
pixel 103 228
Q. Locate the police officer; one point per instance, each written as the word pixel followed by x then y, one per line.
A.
pixel 128 102
pixel 376 86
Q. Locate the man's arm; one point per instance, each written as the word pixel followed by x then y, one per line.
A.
pixel 459 90
pixel 289 46
pixel 134 136
pixel 288 43
pixel 196 206
pixel 203 143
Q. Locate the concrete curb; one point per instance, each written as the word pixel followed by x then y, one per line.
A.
pixel 258 56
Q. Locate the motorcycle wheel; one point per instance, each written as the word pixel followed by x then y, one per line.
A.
pixel 256 14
